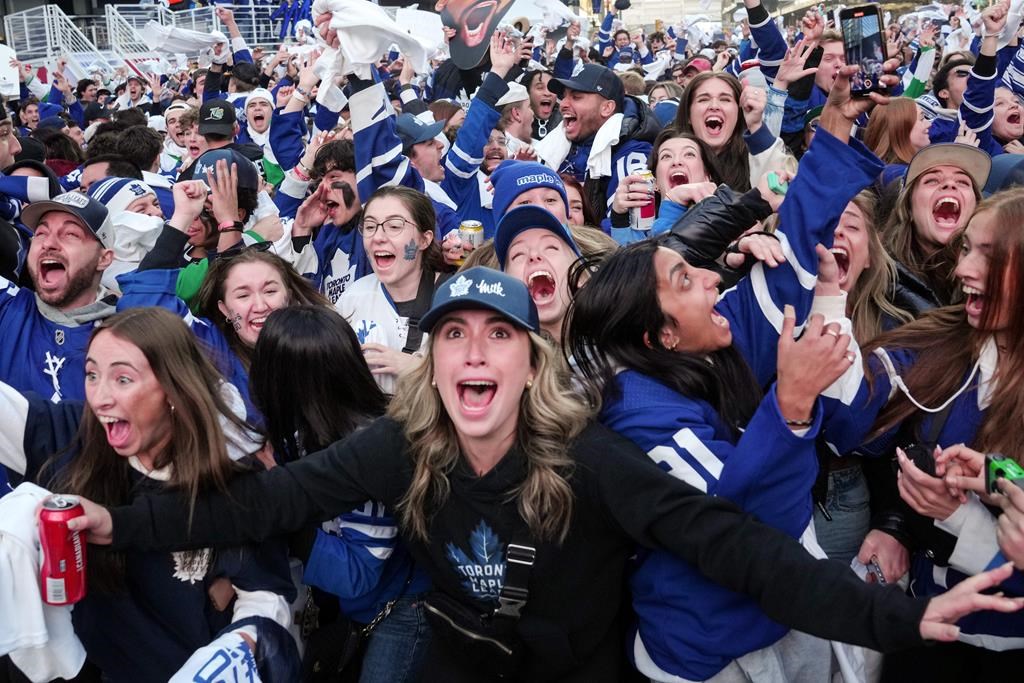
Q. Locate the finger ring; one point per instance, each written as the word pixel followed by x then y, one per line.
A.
pixel 832 332
pixel 851 356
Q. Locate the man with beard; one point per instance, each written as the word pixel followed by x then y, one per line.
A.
pixel 604 135
pixel 45 332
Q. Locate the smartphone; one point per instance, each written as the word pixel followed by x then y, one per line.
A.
pixel 864 43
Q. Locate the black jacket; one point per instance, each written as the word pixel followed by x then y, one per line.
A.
pixel 569 623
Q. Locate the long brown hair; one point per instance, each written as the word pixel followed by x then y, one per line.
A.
pixel 734 164
pixel 888 131
pixel 935 269
pixel 550 417
pixel 869 300
pixel 947 347
pixel 300 292
pixel 197 451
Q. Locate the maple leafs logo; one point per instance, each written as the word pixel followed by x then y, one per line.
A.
pixel 460 287
pixel 483 570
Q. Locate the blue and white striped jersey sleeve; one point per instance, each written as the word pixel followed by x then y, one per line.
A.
pixel 349 564
pixel 604 34
pixel 379 158
pixel 771 46
pixel 17 189
pixel 467 152
pixel 830 175
pixel 1013 76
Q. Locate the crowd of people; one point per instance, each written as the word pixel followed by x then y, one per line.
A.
pixel 618 357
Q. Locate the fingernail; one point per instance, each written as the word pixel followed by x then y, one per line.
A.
pixel 788 311
pixel 900 453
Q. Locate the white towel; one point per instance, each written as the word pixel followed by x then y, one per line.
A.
pixel 365 32
pixel 554 148
pixel 171 39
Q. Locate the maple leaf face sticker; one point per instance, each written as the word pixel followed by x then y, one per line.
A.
pixel 483 568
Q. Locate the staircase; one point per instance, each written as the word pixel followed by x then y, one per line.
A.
pixel 41 35
pixel 111 41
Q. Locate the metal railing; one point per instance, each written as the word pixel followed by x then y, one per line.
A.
pixel 256 26
pixel 138 16
pixel 123 37
pixel 42 34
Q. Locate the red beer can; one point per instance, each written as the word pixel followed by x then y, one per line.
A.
pixel 62 576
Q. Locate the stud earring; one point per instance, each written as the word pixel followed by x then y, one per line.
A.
pixel 433 383
pixel 529 383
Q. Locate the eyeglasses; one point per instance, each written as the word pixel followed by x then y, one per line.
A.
pixel 393 226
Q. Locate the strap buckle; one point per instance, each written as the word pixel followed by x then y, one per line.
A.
pixel 513 596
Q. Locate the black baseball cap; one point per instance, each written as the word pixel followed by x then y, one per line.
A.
pixel 217 117
pixel 95 110
pixel 591 78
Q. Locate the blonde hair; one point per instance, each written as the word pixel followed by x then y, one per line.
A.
pixel 550 417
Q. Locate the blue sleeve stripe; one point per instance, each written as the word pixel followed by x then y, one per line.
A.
pixel 466 175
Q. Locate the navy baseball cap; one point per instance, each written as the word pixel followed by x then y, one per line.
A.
pixel 483 288
pixel 91 214
pixel 413 131
pixel 248 175
pixel 528 217
pixel 591 78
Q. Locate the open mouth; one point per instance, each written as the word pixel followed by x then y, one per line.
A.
pixel 118 431
pixel 719 319
pixel 258 119
pixel 715 124
pixel 383 259
pixel 569 120
pixel 476 394
pixel 542 287
pixel 332 208
pixel 257 323
pixel 193 151
pixel 947 212
pixel 475 22
pixel 1013 118
pixel 975 301
pixel 51 271
pixel 678 178
pixel 843 262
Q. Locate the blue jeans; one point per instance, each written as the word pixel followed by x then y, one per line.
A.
pixel 396 648
pixel 847 501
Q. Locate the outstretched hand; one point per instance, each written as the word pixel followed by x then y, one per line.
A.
pixel 942 613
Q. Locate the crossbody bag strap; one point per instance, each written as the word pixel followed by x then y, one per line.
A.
pixel 519 559
pixel 424 297
pixel 935 428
